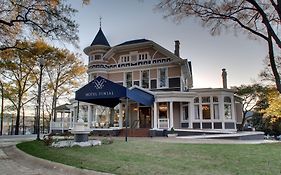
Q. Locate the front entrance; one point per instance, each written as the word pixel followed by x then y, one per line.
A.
pixel 145 117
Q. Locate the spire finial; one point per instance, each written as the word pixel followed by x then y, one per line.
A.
pixel 100 21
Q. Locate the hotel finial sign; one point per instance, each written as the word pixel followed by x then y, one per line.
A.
pixel 99 84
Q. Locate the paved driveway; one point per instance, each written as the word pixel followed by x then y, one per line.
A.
pixel 16 162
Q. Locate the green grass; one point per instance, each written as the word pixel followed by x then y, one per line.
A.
pixel 150 157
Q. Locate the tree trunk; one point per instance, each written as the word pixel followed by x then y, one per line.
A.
pixel 2 108
pixel 23 125
pixel 43 116
pixel 18 117
pixel 54 104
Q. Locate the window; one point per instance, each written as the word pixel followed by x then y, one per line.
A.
pixel 163 109
pixel 206 109
pixel 145 79
pixel 91 58
pixel 185 111
pixel 227 108
pixel 98 57
pixel 216 107
pixel 163 77
pixel 124 58
pixel 216 111
pixel 196 112
pixel 206 112
pixel 143 56
pixel 196 108
pixel 128 79
pixel 196 100
pixel 205 99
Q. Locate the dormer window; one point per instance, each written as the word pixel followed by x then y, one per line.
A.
pixel 124 58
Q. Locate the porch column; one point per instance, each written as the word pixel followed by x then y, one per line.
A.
pixel 89 115
pixel 94 115
pixel 71 118
pixel 233 112
pixel 171 115
pixel 120 115
pixel 62 122
pixel 155 115
pixel 191 114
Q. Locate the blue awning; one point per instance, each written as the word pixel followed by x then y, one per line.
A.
pixel 104 92
pixel 140 96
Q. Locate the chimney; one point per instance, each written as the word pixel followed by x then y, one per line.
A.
pixel 224 78
pixel 177 48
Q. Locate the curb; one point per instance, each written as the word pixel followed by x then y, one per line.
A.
pixel 55 166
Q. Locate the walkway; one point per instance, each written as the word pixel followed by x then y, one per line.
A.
pixel 16 162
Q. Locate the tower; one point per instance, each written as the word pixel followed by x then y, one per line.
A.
pixel 95 52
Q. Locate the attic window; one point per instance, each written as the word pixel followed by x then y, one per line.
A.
pixel 143 56
pixel 124 58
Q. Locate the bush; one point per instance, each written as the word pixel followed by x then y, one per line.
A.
pixel 48 139
pixel 107 141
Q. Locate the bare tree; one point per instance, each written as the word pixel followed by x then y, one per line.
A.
pixel 258 18
pixel 33 18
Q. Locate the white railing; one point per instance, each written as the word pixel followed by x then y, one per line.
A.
pixel 163 123
pixel 59 125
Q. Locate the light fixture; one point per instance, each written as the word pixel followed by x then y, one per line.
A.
pixel 163 107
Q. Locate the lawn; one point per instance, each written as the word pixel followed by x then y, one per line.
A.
pixel 151 157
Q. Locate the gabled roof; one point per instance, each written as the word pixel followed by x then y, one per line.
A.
pixel 133 42
pixel 100 39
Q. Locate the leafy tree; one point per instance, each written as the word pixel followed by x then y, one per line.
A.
pixel 65 72
pixel 33 18
pixel 274 104
pixel 250 95
pixel 18 76
pixel 258 18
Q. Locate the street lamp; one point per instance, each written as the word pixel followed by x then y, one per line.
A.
pixel 41 64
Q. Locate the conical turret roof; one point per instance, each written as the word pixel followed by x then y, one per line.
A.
pixel 100 39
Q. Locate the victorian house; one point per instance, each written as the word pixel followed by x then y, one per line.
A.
pixel 163 76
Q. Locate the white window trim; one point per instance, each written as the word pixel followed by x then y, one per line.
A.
pixel 182 112
pixel 140 82
pixel 143 53
pixel 125 78
pixel 158 78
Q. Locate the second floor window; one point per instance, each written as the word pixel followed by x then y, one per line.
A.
pixel 163 77
pixel 145 79
pixel 128 79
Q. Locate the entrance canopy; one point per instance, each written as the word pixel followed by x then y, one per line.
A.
pixel 104 92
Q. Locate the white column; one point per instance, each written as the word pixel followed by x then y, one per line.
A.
pixel 94 115
pixel 171 115
pixel 191 114
pixel 233 112
pixel 89 116
pixel 71 118
pixel 155 115
pixel 62 122
pixel 120 115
